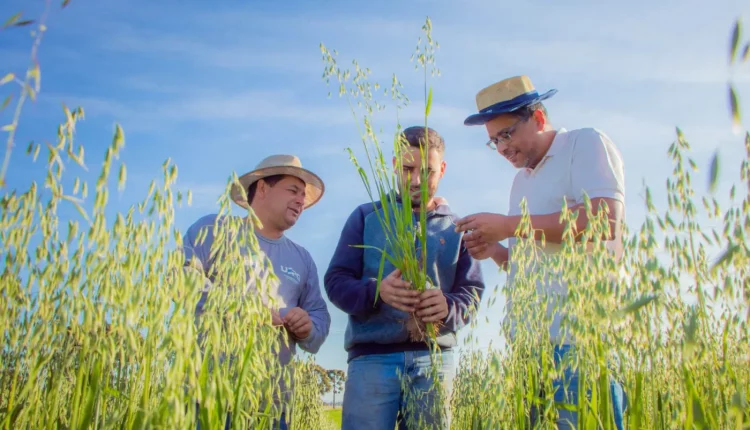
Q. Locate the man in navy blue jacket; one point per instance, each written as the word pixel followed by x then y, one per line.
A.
pixel 387 368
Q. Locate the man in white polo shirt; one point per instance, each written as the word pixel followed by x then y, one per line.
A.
pixel 554 165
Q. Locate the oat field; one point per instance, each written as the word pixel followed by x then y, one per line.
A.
pixel 99 330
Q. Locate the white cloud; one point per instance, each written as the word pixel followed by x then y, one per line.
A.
pixel 152 84
pixel 253 105
pixel 204 195
pixel 442 116
pixel 249 105
pixel 208 56
pixel 593 59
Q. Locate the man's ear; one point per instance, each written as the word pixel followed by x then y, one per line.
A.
pixel 261 188
pixel 541 119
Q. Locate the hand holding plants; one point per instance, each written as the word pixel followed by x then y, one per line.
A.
pixel 433 306
pixel 395 292
pixel 429 305
pixel 298 322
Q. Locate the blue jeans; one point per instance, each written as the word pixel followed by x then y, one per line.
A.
pixel 566 391
pixel 374 398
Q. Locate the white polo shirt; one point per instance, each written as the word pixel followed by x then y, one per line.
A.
pixel 578 161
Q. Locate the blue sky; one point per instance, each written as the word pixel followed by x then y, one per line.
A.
pixel 216 87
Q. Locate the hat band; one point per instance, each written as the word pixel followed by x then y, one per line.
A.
pixel 512 104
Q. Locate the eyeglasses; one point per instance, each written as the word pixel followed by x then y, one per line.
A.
pixel 503 137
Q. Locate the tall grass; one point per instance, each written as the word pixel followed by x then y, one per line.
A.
pixel 683 362
pixel 98 314
pixel 99 329
pixel 667 321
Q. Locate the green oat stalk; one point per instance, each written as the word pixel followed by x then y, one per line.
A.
pixel 404 225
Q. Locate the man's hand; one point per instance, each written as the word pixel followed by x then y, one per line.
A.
pixel 276 320
pixel 486 226
pixel 394 291
pixel 433 306
pixel 481 249
pixel 298 322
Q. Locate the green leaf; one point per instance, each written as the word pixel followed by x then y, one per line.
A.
pixel 6 102
pixel 78 207
pixel 725 257
pixel 118 141
pixel 9 127
pixel 735 40
pixel 7 78
pixel 36 74
pixel 32 93
pixel 380 277
pixel 65 3
pixel 428 107
pixel 746 52
pixel 714 172
pixel 92 394
pixel 12 20
pixel 23 23
pixel 122 177
pixel 637 305
pixel 734 106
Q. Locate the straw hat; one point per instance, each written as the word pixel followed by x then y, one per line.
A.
pixel 280 165
pixel 505 96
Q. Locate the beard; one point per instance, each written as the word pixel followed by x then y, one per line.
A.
pixel 416 197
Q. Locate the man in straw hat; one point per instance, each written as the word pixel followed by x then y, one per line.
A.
pixel 553 165
pixel 278 191
pixel 390 371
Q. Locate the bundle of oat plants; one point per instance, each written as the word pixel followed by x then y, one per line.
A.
pixel 404 224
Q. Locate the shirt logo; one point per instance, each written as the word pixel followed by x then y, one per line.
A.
pixel 290 273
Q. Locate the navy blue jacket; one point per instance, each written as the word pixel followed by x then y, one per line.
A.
pixel 351 282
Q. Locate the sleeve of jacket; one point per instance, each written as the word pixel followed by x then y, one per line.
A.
pixel 466 294
pixel 343 280
pixel 312 302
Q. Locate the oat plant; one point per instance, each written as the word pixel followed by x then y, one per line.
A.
pixel 98 323
pixel 668 320
pixel 403 224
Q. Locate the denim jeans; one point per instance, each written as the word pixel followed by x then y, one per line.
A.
pixel 566 391
pixel 374 398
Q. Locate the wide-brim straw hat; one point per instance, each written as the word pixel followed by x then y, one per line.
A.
pixel 280 165
pixel 505 96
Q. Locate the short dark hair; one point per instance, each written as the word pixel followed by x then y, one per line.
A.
pixel 415 137
pixel 527 112
pixel 270 180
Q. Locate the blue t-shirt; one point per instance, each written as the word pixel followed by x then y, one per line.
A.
pixel 296 283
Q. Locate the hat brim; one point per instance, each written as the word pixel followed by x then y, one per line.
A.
pixel 483 117
pixel 314 186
